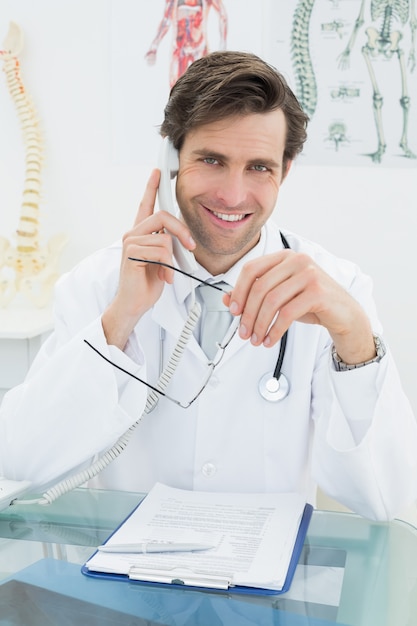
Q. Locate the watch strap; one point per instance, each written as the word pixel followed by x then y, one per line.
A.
pixel 341 366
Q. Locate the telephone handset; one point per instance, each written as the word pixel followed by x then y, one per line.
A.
pixel 168 164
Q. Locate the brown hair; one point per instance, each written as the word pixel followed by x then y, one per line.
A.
pixel 224 84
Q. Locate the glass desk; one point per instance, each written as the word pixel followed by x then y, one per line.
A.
pixel 352 572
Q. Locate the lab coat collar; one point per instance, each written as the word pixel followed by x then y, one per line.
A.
pixel 184 285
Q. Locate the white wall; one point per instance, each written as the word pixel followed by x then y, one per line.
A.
pixel 367 214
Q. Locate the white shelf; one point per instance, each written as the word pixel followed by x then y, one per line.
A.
pixel 25 323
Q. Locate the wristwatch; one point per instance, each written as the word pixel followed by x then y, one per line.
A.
pixel 341 366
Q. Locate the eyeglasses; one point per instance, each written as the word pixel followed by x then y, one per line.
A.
pixel 211 364
pixel 211 367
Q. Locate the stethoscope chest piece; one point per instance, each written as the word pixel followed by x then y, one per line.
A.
pixel 274 389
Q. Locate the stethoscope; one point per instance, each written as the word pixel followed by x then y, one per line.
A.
pixel 274 386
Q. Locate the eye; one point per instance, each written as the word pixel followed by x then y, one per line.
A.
pixel 210 160
pixel 259 168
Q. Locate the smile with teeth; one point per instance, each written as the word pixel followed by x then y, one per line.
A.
pixel 227 217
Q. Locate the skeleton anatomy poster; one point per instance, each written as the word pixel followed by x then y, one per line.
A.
pixel 352 64
pixel 353 67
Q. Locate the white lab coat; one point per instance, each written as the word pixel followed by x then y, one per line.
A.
pixel 352 432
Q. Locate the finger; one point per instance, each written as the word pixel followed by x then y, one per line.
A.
pixel 261 313
pixel 163 222
pixel 256 283
pixel 153 252
pixel 300 293
pixel 298 309
pixel 147 204
pixel 309 296
pixel 149 221
pixel 273 291
pixel 251 274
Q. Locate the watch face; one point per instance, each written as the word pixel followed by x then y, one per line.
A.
pixel 380 347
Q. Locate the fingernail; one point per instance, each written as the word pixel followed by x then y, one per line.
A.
pixel 267 341
pixel 234 308
pixel 254 339
pixel 243 332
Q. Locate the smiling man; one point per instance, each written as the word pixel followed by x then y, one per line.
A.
pixel 342 422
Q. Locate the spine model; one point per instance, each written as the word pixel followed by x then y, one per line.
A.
pixel 26 267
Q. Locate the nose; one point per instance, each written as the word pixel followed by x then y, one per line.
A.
pixel 231 190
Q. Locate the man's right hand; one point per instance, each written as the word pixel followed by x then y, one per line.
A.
pixel 141 284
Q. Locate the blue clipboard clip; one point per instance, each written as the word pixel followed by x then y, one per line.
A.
pixel 177 576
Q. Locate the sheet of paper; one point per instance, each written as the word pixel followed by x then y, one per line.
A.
pixel 253 535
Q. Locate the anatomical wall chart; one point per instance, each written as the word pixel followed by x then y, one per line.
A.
pixel 352 63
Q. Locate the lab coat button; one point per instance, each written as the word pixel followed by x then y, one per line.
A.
pixel 209 469
pixel 214 381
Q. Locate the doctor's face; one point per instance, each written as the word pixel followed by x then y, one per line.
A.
pixel 227 186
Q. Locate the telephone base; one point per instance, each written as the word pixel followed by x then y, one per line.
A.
pixel 10 489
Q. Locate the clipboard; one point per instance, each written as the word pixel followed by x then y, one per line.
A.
pixel 206 582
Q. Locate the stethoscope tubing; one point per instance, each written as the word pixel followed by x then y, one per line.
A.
pixel 275 386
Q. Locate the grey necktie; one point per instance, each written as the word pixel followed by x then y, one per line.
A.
pixel 216 318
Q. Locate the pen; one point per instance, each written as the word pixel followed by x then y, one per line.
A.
pixel 154 546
